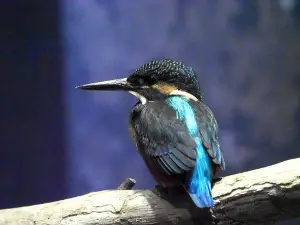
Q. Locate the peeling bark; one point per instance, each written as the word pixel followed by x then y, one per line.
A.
pixel 261 196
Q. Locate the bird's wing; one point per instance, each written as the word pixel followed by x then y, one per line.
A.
pixel 164 139
pixel 174 156
pixel 208 128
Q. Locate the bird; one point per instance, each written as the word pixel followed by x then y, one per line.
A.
pixel 175 132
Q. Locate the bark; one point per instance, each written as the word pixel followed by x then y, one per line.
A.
pixel 261 196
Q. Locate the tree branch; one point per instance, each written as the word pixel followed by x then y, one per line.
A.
pixel 127 184
pixel 259 196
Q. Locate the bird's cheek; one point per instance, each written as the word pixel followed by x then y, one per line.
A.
pixel 165 89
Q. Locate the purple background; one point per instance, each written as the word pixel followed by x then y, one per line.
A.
pixel 59 142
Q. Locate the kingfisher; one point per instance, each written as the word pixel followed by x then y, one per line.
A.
pixel 175 133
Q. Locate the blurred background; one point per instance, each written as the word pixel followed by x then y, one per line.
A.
pixel 58 142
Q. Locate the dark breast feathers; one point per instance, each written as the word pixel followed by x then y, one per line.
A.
pixel 165 144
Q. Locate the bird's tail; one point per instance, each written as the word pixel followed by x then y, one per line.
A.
pixel 202 196
pixel 199 187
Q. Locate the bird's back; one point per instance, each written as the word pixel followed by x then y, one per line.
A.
pixel 173 137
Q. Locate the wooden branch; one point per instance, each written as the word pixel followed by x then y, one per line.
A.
pixel 127 184
pixel 259 196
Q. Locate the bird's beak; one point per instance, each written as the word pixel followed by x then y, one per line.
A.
pixel 117 84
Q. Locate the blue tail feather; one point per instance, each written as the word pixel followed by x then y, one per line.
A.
pixel 202 197
pixel 200 182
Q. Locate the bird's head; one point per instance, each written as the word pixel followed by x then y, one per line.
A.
pixel 155 80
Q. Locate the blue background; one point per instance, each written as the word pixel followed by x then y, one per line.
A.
pixel 58 142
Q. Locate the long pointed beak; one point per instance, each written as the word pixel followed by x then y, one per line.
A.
pixel 117 84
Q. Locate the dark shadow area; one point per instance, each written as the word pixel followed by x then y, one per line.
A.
pixel 32 154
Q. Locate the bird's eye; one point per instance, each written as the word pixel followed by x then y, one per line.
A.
pixel 136 80
pixel 140 81
pixel 151 80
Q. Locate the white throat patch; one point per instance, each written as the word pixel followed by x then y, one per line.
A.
pixel 140 97
pixel 184 94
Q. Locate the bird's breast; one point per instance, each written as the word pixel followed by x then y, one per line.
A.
pixel 133 135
